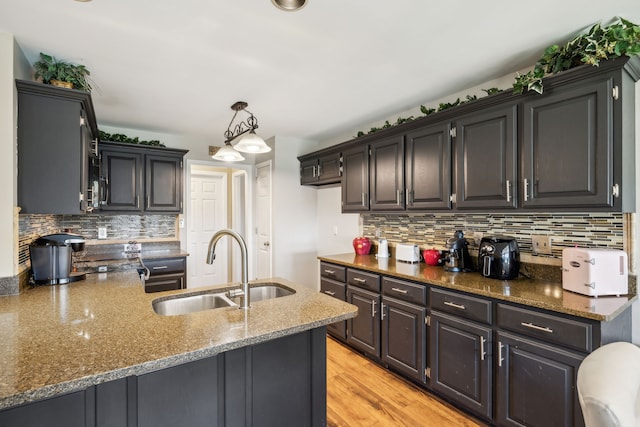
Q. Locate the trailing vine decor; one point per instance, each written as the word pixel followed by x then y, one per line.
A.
pixel 119 137
pixel 621 38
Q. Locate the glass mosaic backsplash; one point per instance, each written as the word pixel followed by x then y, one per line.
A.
pixel 119 227
pixel 432 230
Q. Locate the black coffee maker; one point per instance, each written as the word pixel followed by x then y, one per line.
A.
pixel 51 258
pixel 499 257
pixel 457 255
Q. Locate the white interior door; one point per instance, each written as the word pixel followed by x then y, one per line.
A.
pixel 207 214
pixel 264 247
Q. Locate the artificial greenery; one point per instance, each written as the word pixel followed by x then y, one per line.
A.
pixel 621 38
pixel 119 137
pixel 49 68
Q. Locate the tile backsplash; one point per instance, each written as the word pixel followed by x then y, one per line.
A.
pixel 604 230
pixel 119 227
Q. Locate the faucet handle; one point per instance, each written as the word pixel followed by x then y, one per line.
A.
pixel 233 293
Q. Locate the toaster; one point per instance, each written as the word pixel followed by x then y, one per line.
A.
pixel 407 253
pixel 594 272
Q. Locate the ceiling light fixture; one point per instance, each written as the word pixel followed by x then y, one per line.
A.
pixel 289 5
pixel 245 132
pixel 227 153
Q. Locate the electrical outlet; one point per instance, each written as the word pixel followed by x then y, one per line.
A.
pixel 477 237
pixel 102 232
pixel 102 269
pixel 541 244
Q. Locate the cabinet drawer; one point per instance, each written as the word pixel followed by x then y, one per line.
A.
pixel 158 266
pixel 332 271
pixel 363 280
pixel 461 305
pixel 407 291
pixel 166 282
pixel 554 329
pixel 333 289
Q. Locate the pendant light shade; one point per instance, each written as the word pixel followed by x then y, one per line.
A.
pixel 228 154
pixel 252 143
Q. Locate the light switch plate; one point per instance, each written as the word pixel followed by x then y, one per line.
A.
pixel 102 232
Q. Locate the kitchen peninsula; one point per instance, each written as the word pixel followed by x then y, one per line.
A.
pixel 95 353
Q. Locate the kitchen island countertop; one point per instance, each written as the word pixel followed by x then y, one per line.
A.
pixel 533 293
pixel 58 339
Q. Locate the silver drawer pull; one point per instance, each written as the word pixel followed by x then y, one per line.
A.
pixel 329 293
pixel 359 280
pixel 537 328
pixel 161 267
pixel 402 291
pixel 454 305
pixel 330 271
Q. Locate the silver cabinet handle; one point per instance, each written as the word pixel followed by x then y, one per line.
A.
pixel 373 308
pixel 508 184
pixel 536 327
pixel 330 293
pixel 402 291
pixel 482 352
pixel 381 311
pixel 319 170
pixel 160 267
pixel 398 196
pixel 526 189
pixel 500 359
pixel 454 305
pixel 330 271
pixel 359 280
pixel 314 171
pixel 363 197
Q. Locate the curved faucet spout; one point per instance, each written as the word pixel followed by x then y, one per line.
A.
pixel 211 255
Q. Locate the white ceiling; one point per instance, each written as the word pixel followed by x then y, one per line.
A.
pixel 329 68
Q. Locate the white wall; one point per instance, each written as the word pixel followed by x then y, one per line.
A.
pixel 336 230
pixel 294 216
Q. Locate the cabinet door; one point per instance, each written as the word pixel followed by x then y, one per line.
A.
pixel 404 337
pixel 68 410
pixel 355 180
pixel 309 171
pixel 163 183
pixel 329 168
pixel 183 395
pixel 567 158
pixel 536 384
pixel 386 177
pixel 336 290
pixel 428 167
pixel 461 362
pixel 363 331
pixel 486 150
pixel 123 174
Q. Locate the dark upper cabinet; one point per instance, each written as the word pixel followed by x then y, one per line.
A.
pixel 57 158
pixel 386 174
pixel 428 167
pixel 486 159
pixel 568 147
pixel 141 179
pixel 355 179
pixel 321 169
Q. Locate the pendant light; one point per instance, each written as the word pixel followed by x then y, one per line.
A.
pixel 245 132
pixel 289 5
pixel 227 154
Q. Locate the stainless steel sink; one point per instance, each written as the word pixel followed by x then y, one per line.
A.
pixel 267 291
pixel 190 303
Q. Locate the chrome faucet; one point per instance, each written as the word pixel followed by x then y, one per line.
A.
pixel 244 293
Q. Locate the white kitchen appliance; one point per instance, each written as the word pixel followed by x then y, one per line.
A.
pixel 383 249
pixel 407 253
pixel 595 271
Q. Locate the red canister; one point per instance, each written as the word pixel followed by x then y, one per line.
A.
pixel 362 245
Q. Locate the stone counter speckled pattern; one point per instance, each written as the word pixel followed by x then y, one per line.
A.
pixel 533 293
pixel 58 339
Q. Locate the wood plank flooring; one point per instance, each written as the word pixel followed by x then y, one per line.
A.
pixel 361 393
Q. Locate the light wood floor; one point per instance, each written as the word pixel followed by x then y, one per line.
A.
pixel 360 393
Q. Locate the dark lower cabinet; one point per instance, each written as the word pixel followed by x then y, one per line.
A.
pixel 281 382
pixel 536 384
pixel 404 338
pixel 337 290
pixel 461 362
pixel 363 331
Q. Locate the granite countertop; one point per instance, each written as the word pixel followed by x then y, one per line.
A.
pixel 533 293
pixel 58 339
